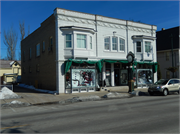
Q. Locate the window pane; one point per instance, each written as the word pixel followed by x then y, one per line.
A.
pixel 81 41
pixel 122 44
pixel 106 43
pixel 68 37
pixel 68 44
pixel 138 46
pixel 114 43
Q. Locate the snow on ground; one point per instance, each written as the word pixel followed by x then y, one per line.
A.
pixel 33 88
pixel 6 93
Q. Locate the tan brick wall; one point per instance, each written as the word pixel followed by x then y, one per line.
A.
pixel 46 77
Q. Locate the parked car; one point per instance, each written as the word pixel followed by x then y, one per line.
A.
pixel 165 86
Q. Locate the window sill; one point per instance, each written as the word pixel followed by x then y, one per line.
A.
pixel 114 51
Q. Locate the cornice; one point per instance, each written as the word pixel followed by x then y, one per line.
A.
pixel 105 24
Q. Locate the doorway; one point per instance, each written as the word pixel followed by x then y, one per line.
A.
pixel 117 77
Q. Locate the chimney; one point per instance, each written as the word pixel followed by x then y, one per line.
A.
pixel 163 29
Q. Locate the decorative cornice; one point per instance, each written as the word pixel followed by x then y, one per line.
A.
pixel 105 24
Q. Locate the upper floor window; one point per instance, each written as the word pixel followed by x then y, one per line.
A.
pixel 38 49
pixel 81 41
pixel 68 40
pixel 138 46
pixel 147 46
pixel 43 46
pixel 121 44
pixel 90 42
pixel 29 53
pixel 107 43
pixel 114 43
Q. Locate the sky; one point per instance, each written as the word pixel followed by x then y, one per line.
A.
pixel 163 14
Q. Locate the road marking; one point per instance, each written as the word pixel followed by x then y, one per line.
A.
pixel 14 126
pixel 12 109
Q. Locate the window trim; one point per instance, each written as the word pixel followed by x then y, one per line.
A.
pixel 68 40
pixel 90 42
pixel 38 50
pixel 85 41
pixel 137 46
pixel 114 43
pixel 109 43
pixel 121 45
pixel 148 45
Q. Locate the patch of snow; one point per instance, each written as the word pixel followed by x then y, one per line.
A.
pixel 16 102
pixel 6 93
pixel 39 90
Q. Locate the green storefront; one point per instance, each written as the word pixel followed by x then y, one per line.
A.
pixel 90 75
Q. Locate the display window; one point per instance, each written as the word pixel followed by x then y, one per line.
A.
pixel 83 78
pixel 144 77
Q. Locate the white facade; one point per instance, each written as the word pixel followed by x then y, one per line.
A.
pixel 92 30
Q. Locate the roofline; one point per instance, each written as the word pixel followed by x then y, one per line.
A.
pixel 103 16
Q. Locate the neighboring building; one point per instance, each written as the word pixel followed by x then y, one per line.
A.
pixel 75 52
pixel 164 51
pixel 9 69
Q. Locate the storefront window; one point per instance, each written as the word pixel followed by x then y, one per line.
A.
pixel 68 79
pixel 124 77
pixel 83 78
pixel 144 77
pixel 108 72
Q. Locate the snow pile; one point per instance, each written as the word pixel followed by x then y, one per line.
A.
pixel 39 90
pixel 6 93
pixel 115 95
pixel 16 102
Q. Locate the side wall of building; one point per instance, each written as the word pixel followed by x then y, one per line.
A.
pixel 40 71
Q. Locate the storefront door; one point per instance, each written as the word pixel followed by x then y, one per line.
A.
pixel 117 77
pixel 124 77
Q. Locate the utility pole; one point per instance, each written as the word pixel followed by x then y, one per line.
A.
pixel 172 52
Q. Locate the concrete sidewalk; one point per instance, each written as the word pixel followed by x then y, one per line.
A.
pixel 30 97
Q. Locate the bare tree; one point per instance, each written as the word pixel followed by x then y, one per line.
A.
pixel 22 31
pixel 10 40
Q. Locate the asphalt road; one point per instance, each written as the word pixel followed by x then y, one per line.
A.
pixel 145 114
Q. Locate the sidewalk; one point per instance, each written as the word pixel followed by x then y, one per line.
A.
pixel 31 97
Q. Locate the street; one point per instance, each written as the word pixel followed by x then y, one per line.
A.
pixel 145 114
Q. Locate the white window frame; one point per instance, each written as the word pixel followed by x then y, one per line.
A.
pixel 116 44
pixel 107 43
pixel 120 44
pixel 138 46
pixel 147 45
pixel 68 40
pixel 38 50
pixel 81 39
pixel 90 42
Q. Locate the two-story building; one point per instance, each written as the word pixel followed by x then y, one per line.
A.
pixel 76 52
pixel 168 51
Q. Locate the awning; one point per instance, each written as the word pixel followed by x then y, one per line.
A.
pixel 99 63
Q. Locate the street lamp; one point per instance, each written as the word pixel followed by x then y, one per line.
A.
pixel 130 58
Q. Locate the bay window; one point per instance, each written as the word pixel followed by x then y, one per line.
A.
pixel 68 41
pixel 147 46
pixel 81 41
pixel 138 46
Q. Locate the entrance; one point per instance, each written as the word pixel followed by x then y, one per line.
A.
pixel 117 77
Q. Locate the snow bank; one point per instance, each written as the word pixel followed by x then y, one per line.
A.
pixel 6 93
pixel 39 90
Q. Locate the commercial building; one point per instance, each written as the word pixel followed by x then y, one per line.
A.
pixel 168 51
pixel 79 52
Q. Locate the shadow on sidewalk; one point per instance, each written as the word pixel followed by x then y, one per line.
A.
pixel 18 89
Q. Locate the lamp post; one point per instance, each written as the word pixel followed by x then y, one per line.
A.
pixel 130 58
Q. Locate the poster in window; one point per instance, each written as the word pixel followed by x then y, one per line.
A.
pixel 83 78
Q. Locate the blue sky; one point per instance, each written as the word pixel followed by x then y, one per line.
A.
pixel 163 14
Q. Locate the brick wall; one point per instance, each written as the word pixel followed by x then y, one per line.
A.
pixel 45 78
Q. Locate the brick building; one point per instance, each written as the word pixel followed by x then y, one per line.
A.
pixel 77 52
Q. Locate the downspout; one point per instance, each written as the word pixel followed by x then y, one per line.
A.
pixel 96 36
pixel 127 34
